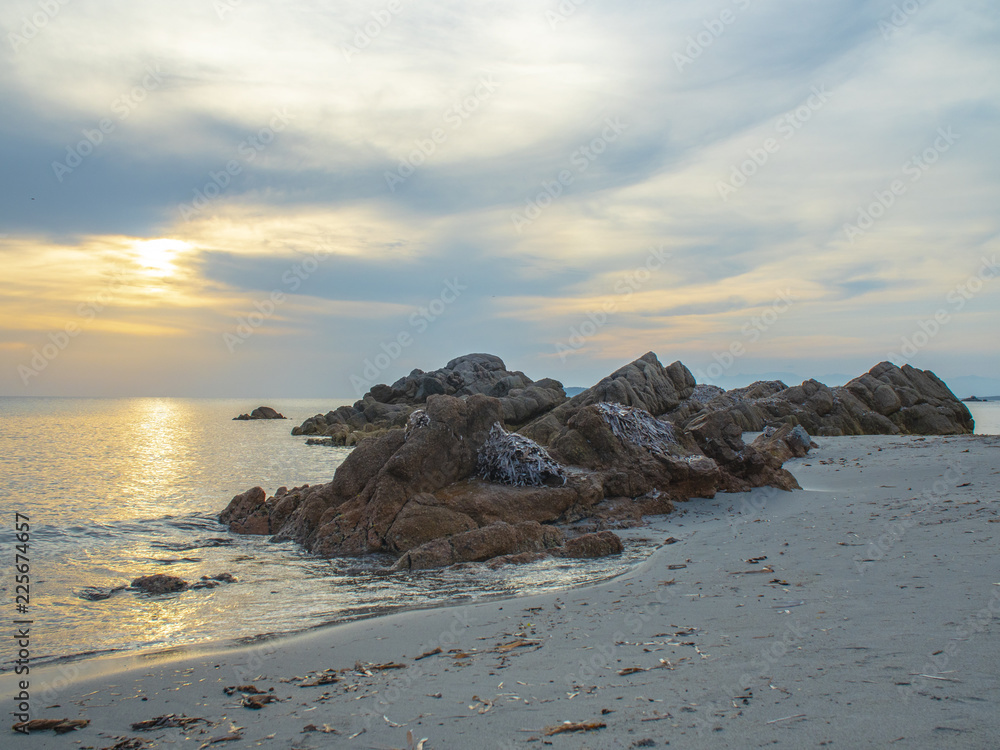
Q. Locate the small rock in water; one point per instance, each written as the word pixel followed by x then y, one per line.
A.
pixel 160 584
pixel 99 593
pixel 261 412
pixel 210 582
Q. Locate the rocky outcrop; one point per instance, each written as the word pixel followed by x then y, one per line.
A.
pixel 887 400
pixel 644 383
pixel 455 485
pixel 261 412
pixel 158 584
pixel 387 407
pixel 248 513
pixel 473 462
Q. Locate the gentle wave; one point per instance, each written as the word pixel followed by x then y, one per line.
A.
pixel 119 488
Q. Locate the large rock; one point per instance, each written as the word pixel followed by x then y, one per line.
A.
pixel 386 407
pixel 887 400
pixel 482 544
pixel 248 513
pixel 644 383
pixel 784 443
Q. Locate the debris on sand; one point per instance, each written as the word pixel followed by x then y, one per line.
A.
pixel 165 721
pixel 59 726
pixel 569 726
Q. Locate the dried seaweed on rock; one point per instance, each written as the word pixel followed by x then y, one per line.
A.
pixel 509 458
pixel 415 421
pixel 638 427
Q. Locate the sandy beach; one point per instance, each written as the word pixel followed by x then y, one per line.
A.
pixel 859 612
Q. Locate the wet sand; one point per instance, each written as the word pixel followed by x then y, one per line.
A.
pixel 863 611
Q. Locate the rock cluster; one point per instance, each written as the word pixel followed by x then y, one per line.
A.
pixel 454 484
pixel 156 585
pixel 475 463
pixel 261 412
pixel 887 400
pixel 387 407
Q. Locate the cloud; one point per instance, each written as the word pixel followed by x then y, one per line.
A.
pixel 494 119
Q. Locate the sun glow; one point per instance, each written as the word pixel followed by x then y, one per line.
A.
pixel 156 256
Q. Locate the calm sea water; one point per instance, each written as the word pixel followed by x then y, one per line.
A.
pixel 119 488
pixel 987 416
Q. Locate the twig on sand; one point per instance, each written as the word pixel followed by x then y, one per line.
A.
pixel 59 726
pixel 168 720
pixel 231 737
pixel 568 726
pixel 786 718
pixel 521 643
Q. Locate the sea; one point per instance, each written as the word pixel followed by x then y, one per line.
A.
pixel 114 489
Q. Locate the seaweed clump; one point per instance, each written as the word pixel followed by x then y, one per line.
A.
pixel 509 458
pixel 638 426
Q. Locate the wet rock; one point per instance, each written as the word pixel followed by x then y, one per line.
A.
pixel 248 513
pixel 522 558
pixel 482 544
pixel 99 593
pixel 210 582
pixel 328 441
pixel 160 584
pixel 598 544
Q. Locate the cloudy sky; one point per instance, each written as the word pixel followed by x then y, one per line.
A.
pixel 246 197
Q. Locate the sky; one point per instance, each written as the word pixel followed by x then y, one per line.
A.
pixel 250 198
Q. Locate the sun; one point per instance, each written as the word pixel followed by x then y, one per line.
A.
pixel 157 256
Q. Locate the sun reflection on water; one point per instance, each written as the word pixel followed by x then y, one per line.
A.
pixel 122 488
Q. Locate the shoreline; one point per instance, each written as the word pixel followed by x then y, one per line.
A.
pixel 829 644
pixel 208 648
pixel 220 645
